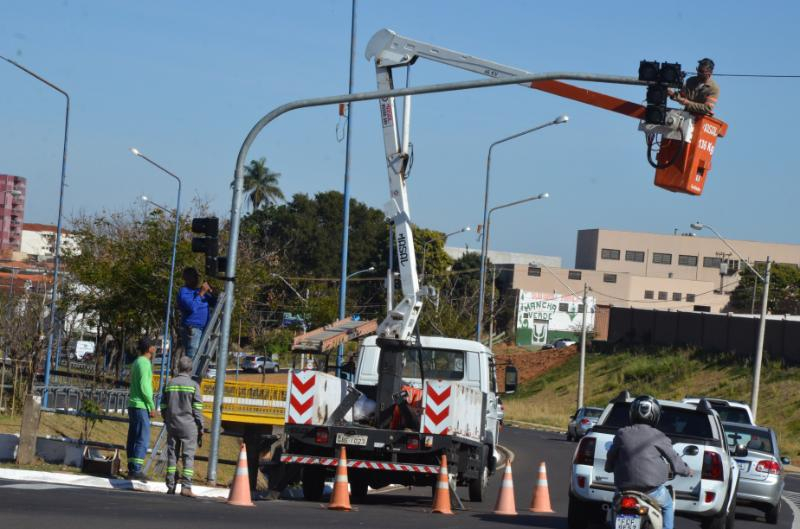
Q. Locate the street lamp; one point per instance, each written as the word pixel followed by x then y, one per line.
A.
pixel 166 354
pixel 486 228
pixel 340 349
pixel 155 204
pixel 426 243
pixel 57 250
pixel 582 365
pixel 485 246
pixel 762 324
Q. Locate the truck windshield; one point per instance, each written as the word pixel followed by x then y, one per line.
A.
pixel 674 421
pixel 442 364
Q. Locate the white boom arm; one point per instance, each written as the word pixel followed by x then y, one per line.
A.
pixel 399 322
pixel 390 51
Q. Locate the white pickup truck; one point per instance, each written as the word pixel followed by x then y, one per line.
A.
pixel 697 436
pixel 408 405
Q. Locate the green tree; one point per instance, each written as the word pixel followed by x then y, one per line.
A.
pixel 784 289
pixel 262 184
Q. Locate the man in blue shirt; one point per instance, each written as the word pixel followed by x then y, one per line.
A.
pixel 193 302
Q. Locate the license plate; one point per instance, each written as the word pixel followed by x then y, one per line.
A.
pixel 744 466
pixel 352 440
pixel 628 521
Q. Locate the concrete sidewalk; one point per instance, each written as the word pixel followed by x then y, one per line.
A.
pixel 83 480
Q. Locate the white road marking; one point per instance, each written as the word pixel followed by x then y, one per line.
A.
pixel 792 499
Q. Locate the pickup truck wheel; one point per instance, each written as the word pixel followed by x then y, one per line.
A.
pixel 358 488
pixel 477 486
pixel 313 483
pixel 771 513
pixel 260 370
pixel 577 514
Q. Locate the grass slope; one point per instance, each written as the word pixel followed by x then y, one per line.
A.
pixel 666 374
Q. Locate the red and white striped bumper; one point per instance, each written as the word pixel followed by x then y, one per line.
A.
pixel 360 463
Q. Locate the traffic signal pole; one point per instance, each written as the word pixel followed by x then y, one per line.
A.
pixel 238 186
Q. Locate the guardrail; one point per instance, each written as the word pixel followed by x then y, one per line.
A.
pixel 72 398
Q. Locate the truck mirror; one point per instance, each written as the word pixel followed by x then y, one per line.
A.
pixel 786 461
pixel 511 379
pixel 740 451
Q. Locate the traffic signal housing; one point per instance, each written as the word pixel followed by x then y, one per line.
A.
pixel 664 75
pixel 207 243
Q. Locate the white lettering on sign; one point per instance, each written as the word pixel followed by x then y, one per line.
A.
pixel 709 129
pixel 706 145
pixel 387 119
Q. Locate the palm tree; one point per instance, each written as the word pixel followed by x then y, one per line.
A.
pixel 262 184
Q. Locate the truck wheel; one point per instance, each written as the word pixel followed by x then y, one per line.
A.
pixel 276 369
pixel 260 370
pixel 313 483
pixel 358 488
pixel 771 513
pixel 577 514
pixel 477 486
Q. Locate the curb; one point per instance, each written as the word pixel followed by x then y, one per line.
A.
pixel 82 480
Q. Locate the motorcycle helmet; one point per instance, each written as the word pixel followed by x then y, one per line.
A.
pixel 645 410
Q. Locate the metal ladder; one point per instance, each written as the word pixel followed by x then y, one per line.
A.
pixel 156 462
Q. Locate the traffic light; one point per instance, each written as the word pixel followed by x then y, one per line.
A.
pixel 208 242
pixel 656 111
pixel 665 75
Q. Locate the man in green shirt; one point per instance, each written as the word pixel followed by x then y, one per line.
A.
pixel 140 408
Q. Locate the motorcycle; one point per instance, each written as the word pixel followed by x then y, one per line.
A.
pixel 632 509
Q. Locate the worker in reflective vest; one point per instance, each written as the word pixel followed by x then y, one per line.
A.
pixel 700 93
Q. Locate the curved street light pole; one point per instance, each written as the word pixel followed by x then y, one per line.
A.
pixel 486 229
pixel 762 323
pixel 238 186
pixel 426 243
pixel 485 242
pixel 57 250
pixel 166 354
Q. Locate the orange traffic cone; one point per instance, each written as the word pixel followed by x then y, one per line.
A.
pixel 441 500
pixel 240 488
pixel 541 494
pixel 340 499
pixel 505 501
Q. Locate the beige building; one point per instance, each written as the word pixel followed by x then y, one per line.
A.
pixel 648 270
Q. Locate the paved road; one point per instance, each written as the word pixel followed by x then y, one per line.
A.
pixel 29 505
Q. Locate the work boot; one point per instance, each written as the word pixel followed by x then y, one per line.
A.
pixel 139 476
pixel 170 489
pixel 187 492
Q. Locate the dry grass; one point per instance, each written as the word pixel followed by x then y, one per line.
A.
pixel 668 374
pixel 116 433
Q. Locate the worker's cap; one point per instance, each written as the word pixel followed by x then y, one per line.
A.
pixel 705 63
pixel 185 365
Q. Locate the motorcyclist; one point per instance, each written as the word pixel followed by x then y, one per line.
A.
pixel 642 456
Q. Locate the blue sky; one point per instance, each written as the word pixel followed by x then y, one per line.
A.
pixel 185 80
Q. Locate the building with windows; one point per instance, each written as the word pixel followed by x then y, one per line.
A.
pixel 640 270
pixel 12 210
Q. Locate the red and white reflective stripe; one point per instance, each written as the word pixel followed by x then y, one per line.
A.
pixel 436 419
pixel 302 388
pixel 360 463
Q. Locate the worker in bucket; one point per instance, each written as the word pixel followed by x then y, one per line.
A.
pixel 700 93
pixel 182 409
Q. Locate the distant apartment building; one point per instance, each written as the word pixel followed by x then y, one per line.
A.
pixel 639 270
pixel 12 210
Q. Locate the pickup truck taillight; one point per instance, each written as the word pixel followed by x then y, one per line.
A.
pixel 770 467
pixel 584 454
pixel 321 436
pixel 712 466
